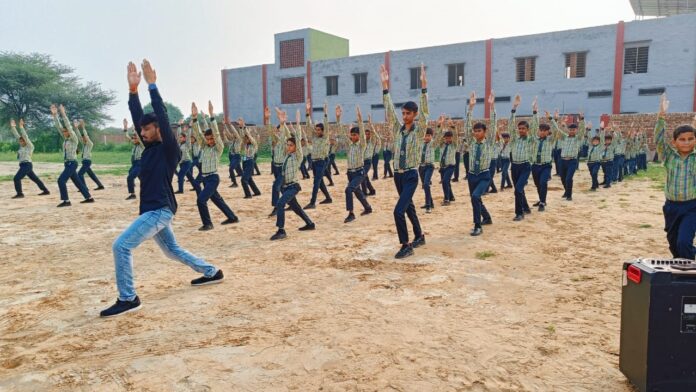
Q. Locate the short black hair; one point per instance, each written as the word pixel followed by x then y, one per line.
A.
pixel 355 130
pixel 208 132
pixel 429 131
pixel 683 129
pixel 505 134
pixel 147 119
pixel 523 123
pixel 448 134
pixel 410 106
pixel 595 138
pixel 292 139
pixel 320 126
pixel 608 137
pixel 480 125
pixel 573 126
pixel 544 127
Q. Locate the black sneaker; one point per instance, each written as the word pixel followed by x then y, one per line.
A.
pixel 536 204
pixel 405 251
pixel 494 190
pixel 202 281
pixel 527 211
pixel 418 241
pixel 229 221
pixel 131 196
pixel 446 203
pixel 178 192
pixel 121 307
pixel 455 180
pixel 234 185
pixel 307 227
pixel 18 196
pixel 99 188
pixel 248 197
pixel 85 201
pixel 273 213
pixel 569 198
pixel 476 231
pixel 367 211
pixel 518 217
pixel 206 227
pixel 279 235
pixel 65 203
pixel 487 221
pixel 45 192
pixel 428 210
pixel 349 218
pixel 542 207
pixel 326 201
pixel 424 206
pixel 372 193
pixel 310 206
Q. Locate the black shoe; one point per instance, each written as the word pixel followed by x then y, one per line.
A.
pixel 424 206
pixel 476 231
pixel 18 196
pixel 279 235
pixel 542 207
pixel 564 196
pixel 569 198
pixel 85 201
pixel 273 213
pixel 518 217
pixel 337 173
pixel 349 218
pixel 206 227
pixel 536 204
pixel 178 192
pixel 446 203
pixel 487 221
pixel 307 227
pixel 44 192
pixel 606 186
pixel 234 186
pixel 131 196
pixel 257 194
pixel 248 197
pixel 310 206
pixel 65 203
pixel 331 184
pixel 99 188
pixel 494 190
pixel 455 180
pixel 372 193
pixel 192 189
pixel 418 241
pixel 367 211
pixel 405 251
pixel 121 307
pixel 326 201
pixel 230 221
pixel 452 198
pixel 428 210
pixel 202 281
pixel 593 189
pixel 527 211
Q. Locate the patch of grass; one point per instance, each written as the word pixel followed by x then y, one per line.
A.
pixel 551 328
pixel 484 254
pixel 656 172
pixel 645 226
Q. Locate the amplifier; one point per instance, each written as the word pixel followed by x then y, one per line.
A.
pixel 658 324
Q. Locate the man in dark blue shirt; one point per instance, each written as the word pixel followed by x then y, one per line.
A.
pixel 157 202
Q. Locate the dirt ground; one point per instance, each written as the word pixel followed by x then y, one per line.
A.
pixel 528 306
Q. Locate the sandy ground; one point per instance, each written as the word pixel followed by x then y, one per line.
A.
pixel 329 310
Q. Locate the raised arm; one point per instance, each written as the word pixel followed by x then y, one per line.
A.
pixel 535 118
pixel 85 134
pixel 66 122
pixel 23 132
pixel 219 145
pixel 512 126
pixel 13 129
pixel 493 124
pixel 424 110
pixel 468 123
pixel 392 117
pixel 661 144
pixel 196 129
pixel 361 126
pixel 136 109
pixel 168 136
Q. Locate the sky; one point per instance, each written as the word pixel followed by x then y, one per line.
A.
pixel 190 42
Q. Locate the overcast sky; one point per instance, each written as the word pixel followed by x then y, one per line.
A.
pixel 189 42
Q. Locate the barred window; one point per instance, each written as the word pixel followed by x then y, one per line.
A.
pixel 636 60
pixel 331 85
pixel 292 53
pixel 360 80
pixel 292 90
pixel 415 78
pixel 526 69
pixel 455 75
pixel 575 65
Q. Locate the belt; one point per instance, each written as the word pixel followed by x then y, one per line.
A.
pixel 318 159
pixel 520 162
pixel 277 164
pixel 355 170
pixel 569 159
pixel 401 171
pixel 425 164
pixel 542 163
pixel 289 185
pixel 208 174
pixel 480 172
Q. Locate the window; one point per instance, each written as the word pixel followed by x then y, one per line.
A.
pixel 526 69
pixel 575 65
pixel 455 75
pixel 651 91
pixel 599 94
pixel 360 80
pixel 331 85
pixel 292 53
pixel 292 90
pixel 415 78
pixel 636 59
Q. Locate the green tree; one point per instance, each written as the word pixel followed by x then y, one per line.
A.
pixel 173 112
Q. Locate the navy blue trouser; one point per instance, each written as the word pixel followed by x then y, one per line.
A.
pixel 366 185
pixel 87 168
pixel 406 184
pixel 446 174
pixel 465 159
pixel 303 168
pixel 277 170
pixel 26 169
pixel 426 174
pixel 133 173
pixel 70 172
pixel 318 168
pixel 556 154
pixel 593 167
pixel 332 161
pixel 541 174
pixel 355 178
pixel 248 183
pixel 568 168
pixel 387 154
pixel 642 161
pixel 520 176
pixel 680 225
pixel 608 171
pixel 185 171
pixel 288 196
pixel 478 185
pixel 375 166
pixel 457 161
pixel 505 174
pixel 618 168
pixel 235 167
pixel 209 192
pixel 196 164
pixel 493 168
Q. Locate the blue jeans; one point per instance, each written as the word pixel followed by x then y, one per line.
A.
pixel 505 174
pixel 319 167
pixel 26 169
pixel 478 184
pixel 541 174
pixel 132 175
pixel 355 178
pixel 87 168
pixel 70 171
pixel 209 192
pixel 288 196
pixel 568 168
pixel 277 171
pixel 593 167
pixel 520 176
pixel 426 174
pixel 406 184
pixel 151 224
pixel 446 177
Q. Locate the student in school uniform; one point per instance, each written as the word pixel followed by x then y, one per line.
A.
pixel 186 163
pixel 233 141
pixel 278 146
pixel 571 141
pixel 480 140
pixel 608 157
pixel 87 146
pixel 387 155
pixel 448 144
pixel 290 185
pixel 407 139
pixel 372 142
pixel 333 147
pixel 619 155
pixel 594 159
pixel 307 155
pixel 26 168
pixel 426 168
pixel 642 158
pixel 679 157
pixel 211 150
pixel 321 137
pixel 541 151
pixel 70 142
pixel 505 181
pixel 377 149
pixel 520 152
pixel 249 151
pixel 495 156
pixel 195 159
pixel 257 137
pixel 136 155
pixel 355 154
